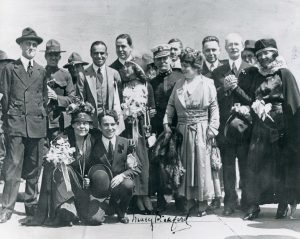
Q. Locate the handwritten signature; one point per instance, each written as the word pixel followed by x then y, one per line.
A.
pixel 178 223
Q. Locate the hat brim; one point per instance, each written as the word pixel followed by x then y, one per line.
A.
pixel 103 189
pixel 103 167
pixel 75 63
pixel 7 60
pixel 159 55
pixel 39 40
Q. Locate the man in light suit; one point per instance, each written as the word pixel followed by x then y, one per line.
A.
pixel 118 155
pixel 24 89
pixel 229 92
pixel 100 85
pixel 211 52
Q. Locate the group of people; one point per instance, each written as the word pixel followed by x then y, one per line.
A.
pixel 172 124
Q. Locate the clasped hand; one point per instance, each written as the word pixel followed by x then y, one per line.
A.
pixel 230 82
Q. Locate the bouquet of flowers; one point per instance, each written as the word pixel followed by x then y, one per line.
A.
pixel 135 100
pixel 60 152
pixel 262 109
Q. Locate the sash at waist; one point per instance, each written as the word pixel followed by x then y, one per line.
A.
pixel 193 118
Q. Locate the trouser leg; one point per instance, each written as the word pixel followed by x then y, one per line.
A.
pixel 33 154
pixel 121 196
pixel 13 170
pixel 242 152
pixel 229 170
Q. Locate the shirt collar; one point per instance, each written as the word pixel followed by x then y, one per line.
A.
pixel 97 67
pixel 215 64
pixel 176 64
pixel 237 63
pixel 25 62
pixel 106 142
pixel 130 58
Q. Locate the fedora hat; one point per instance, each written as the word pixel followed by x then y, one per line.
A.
pixel 100 176
pixel 52 46
pixel 4 57
pixel 74 59
pixel 29 34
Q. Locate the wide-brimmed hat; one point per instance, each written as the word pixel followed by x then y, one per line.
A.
pixel 161 50
pixel 4 57
pixel 265 45
pixel 100 176
pixel 75 59
pixel 53 46
pixel 29 34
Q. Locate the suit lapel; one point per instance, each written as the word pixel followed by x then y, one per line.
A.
pixel 110 87
pixel 91 80
pixel 21 72
pixel 243 66
pixel 227 70
pixel 119 148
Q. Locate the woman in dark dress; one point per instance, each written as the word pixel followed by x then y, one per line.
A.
pixel 274 146
pixel 65 200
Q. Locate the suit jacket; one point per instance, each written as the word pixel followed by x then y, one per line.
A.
pixel 227 101
pixel 24 100
pixel 119 163
pixel 90 92
pixel 206 72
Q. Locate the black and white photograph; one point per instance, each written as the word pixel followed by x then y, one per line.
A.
pixel 151 119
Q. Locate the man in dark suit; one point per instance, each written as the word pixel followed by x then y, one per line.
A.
pixel 118 155
pixel 61 90
pixel 211 51
pixel 24 89
pixel 228 93
pixel 3 61
pixel 124 48
pixel 100 85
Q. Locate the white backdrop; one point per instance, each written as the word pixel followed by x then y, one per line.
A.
pixel 77 23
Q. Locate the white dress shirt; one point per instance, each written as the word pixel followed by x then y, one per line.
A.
pixel 102 69
pixel 237 63
pixel 106 142
pixel 213 65
pixel 25 62
pixel 130 58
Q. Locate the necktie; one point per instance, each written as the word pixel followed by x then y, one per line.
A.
pixel 211 67
pixel 234 69
pixel 99 76
pixel 110 152
pixel 29 69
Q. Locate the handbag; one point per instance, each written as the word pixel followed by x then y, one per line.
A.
pixel 215 156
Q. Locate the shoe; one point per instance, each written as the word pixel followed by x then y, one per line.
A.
pixel 228 211
pixel 201 213
pixel 32 223
pixel 124 220
pixel 215 204
pixel 5 215
pixel 252 213
pixel 282 211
